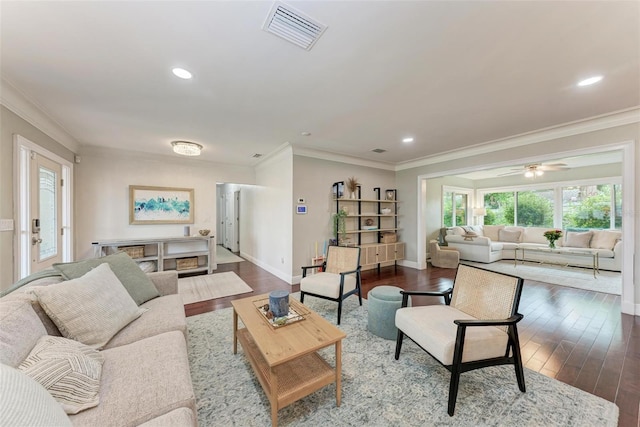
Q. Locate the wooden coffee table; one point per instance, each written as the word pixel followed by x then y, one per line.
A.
pixel 284 359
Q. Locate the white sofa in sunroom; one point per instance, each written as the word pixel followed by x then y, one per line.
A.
pixel 495 242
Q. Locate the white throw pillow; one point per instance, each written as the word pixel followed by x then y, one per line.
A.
pixel 509 236
pixel 20 330
pixel 578 240
pixel 491 231
pixel 42 410
pixel 69 370
pixel 605 239
pixel 90 309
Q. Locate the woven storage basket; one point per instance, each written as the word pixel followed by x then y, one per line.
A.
pixel 186 263
pixel 388 237
pixel 133 251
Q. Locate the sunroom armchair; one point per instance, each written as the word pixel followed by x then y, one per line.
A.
pixel 338 279
pixel 475 328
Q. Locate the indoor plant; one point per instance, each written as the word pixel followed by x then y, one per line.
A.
pixel 552 236
pixel 338 220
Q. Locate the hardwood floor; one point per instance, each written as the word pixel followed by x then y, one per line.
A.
pixel 575 336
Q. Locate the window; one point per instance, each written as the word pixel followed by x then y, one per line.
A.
pixel 455 207
pixel 590 206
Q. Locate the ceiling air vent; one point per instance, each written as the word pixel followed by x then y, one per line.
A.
pixel 256 155
pixel 378 150
pixel 293 26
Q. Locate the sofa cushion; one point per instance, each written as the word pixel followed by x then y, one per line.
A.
pixel 16 388
pixel 90 309
pixel 456 231
pixel 512 236
pixel 126 270
pixel 491 231
pixel 20 330
pixel 578 240
pixel 141 381
pixel 178 417
pixel 605 239
pixel 69 370
pixel 164 314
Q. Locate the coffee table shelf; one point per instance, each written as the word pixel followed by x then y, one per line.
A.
pixel 295 379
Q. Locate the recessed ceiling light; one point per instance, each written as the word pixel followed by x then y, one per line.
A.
pixel 182 73
pixel 589 81
pixel 407 140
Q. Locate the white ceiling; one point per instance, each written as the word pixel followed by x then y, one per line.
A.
pixel 451 74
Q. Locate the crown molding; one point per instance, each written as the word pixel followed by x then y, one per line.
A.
pixel 333 157
pixel 28 109
pixel 606 121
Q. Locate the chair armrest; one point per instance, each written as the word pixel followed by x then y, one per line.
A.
pixel 446 294
pixel 490 322
pixel 307 267
pixel 344 273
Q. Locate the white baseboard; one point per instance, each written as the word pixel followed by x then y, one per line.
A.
pixel 279 274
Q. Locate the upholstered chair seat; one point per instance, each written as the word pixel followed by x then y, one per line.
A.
pixel 339 277
pixel 443 256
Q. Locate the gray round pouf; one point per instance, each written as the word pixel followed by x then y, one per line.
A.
pixel 383 303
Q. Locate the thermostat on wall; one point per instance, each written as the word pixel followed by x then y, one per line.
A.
pixel 301 209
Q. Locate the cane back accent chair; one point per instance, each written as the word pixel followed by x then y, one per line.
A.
pixel 340 277
pixel 475 328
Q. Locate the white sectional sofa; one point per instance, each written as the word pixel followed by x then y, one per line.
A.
pixel 490 243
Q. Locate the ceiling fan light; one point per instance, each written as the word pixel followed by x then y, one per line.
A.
pixel 528 174
pixel 186 148
pixel 539 172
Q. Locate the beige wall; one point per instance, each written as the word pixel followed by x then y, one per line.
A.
pixel 10 125
pixel 266 233
pixel 102 193
pixel 312 180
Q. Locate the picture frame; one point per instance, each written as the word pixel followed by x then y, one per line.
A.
pixel 160 205
pixel 390 195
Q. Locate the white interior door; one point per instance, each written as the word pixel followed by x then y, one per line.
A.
pixel 45 192
pixel 229 222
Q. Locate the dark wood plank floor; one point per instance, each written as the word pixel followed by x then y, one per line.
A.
pixel 575 336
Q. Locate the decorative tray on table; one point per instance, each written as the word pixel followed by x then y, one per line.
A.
pixel 296 314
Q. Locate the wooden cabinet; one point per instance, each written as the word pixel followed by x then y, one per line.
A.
pixel 376 253
pixel 184 254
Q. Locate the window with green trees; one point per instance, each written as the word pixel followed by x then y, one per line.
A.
pixel 455 206
pixel 592 205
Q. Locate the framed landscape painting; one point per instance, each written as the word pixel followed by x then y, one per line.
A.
pixel 160 205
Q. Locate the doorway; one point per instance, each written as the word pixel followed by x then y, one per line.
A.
pixel 44 208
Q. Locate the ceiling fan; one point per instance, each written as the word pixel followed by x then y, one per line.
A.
pixel 534 170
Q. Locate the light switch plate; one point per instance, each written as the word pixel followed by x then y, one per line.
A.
pixel 6 225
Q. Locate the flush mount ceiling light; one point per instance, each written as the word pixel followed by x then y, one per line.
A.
pixel 182 73
pixel 590 81
pixel 186 148
pixel 407 140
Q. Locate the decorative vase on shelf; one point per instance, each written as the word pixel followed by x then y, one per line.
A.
pixel 353 195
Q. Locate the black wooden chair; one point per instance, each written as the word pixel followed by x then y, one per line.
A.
pixel 475 328
pixel 340 277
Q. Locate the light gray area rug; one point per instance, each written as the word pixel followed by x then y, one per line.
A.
pixel 377 390
pixel 225 256
pixel 212 286
pixel 608 282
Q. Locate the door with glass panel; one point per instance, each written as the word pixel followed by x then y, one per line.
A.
pixel 45 191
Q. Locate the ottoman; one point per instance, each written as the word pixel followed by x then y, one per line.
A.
pixel 383 303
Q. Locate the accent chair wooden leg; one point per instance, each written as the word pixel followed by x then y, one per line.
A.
pixel 517 359
pixel 453 388
pixel 399 343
